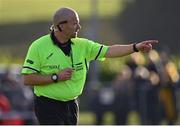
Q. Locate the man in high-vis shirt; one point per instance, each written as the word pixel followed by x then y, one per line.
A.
pixel 56 65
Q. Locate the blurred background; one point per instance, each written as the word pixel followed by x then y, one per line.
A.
pixel 135 89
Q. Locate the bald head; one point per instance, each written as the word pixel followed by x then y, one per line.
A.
pixel 66 23
pixel 63 14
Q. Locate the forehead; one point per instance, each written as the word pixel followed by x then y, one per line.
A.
pixel 73 17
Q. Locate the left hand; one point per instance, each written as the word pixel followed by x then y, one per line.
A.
pixel 146 46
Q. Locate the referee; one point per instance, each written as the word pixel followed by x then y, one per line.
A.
pixel 56 65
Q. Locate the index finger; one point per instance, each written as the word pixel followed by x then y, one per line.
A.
pixel 151 41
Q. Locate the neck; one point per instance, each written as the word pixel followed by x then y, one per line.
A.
pixel 61 38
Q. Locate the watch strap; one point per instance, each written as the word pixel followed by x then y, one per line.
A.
pixel 54 77
pixel 135 48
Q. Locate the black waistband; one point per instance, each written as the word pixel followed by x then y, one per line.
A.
pixel 53 100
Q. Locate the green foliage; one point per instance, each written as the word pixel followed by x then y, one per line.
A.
pixel 7 58
pixel 12 11
pixel 176 60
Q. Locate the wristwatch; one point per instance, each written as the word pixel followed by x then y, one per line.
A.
pixel 135 48
pixel 54 77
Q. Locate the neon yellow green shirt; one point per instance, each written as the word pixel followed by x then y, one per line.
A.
pixel 44 57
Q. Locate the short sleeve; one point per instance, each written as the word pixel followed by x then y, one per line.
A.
pixel 32 61
pixel 95 51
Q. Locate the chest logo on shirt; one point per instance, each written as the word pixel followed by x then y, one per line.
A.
pixel 49 56
pixel 53 66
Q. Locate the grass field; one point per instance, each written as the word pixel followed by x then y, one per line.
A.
pixel 88 118
pixel 12 11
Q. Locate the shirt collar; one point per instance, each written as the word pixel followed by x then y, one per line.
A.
pixel 56 41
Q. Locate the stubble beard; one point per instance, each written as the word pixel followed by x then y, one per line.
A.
pixel 74 35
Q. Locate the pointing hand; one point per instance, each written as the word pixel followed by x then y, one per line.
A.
pixel 146 46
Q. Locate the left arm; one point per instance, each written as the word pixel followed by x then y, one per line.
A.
pixel 122 50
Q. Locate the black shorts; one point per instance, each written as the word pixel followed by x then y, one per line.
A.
pixel 49 111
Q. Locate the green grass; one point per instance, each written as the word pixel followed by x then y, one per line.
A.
pixel 18 11
pixel 88 118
